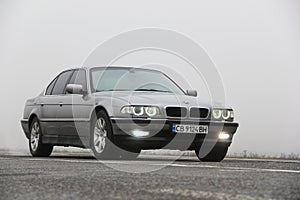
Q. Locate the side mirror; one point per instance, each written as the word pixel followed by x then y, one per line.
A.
pixel 192 93
pixel 74 89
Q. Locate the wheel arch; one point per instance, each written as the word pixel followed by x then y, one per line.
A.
pixel 94 112
pixel 32 116
pixel 97 109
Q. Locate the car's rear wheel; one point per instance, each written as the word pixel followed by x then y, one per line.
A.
pixel 217 154
pixel 36 147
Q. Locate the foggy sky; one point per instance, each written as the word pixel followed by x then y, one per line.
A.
pixel 254 44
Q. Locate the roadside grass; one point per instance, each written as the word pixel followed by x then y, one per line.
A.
pixel 244 154
pixel 247 154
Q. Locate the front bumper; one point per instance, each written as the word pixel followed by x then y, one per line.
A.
pixel 161 135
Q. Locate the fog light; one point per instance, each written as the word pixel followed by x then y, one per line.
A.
pixel 139 133
pixel 224 136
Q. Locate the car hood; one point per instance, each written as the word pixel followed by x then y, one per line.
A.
pixel 153 98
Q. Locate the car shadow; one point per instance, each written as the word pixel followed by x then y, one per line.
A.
pixel 71 156
pixel 141 158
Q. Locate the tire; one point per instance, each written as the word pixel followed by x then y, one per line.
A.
pixel 217 154
pixel 102 139
pixel 36 147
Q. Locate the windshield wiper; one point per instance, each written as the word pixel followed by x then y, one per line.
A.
pixel 152 90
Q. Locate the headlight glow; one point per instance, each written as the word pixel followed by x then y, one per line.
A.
pixel 150 111
pixel 223 114
pixel 226 114
pixel 217 113
pixel 138 110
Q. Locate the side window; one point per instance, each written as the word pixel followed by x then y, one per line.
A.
pixel 50 87
pixel 79 77
pixel 61 83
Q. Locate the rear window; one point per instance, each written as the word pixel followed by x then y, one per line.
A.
pixel 50 87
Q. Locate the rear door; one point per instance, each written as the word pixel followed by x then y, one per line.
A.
pixel 51 102
pixel 49 107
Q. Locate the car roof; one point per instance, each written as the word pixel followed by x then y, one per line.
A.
pixel 110 67
pixel 123 67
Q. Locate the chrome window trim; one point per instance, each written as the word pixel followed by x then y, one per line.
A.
pixel 72 69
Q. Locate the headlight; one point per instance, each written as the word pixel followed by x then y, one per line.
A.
pixel 138 110
pixel 150 111
pixel 226 114
pixel 223 114
pixel 217 113
pixel 127 110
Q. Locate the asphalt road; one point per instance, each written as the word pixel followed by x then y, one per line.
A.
pixel 68 176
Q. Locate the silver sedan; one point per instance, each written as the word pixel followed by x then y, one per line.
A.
pixel 118 111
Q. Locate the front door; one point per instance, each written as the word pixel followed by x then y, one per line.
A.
pixel 75 110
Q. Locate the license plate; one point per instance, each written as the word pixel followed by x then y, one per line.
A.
pixel 185 128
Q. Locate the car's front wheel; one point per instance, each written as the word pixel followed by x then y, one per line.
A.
pixel 102 140
pixel 36 147
pixel 102 136
pixel 217 154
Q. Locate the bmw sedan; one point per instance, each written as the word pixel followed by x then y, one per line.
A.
pixel 118 111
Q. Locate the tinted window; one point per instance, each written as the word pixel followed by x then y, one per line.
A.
pixel 50 87
pixel 61 83
pixel 79 78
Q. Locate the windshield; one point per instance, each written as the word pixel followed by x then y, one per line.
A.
pixel 131 79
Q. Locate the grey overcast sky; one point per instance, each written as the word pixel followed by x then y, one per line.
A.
pixel 255 45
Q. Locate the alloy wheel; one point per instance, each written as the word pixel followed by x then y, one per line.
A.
pixel 34 136
pixel 100 134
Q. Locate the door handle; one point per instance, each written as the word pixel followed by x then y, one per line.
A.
pixel 60 104
pixel 42 104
